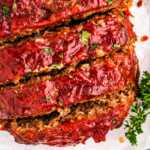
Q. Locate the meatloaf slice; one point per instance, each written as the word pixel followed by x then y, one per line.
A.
pixel 92 39
pixel 42 95
pixel 22 17
pixel 75 124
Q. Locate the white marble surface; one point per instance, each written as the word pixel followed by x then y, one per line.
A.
pixel 141 22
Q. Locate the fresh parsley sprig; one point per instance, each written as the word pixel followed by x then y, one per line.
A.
pixel 140 111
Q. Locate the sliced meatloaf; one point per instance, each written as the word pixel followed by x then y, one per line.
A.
pixel 60 85
pixel 75 85
pixel 22 17
pixel 75 124
pixel 94 38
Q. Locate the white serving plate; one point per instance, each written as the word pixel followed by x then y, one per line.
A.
pixel 141 23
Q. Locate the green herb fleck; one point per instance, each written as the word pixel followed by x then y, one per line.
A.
pixel 48 50
pixel 94 46
pixel 122 14
pixel 109 1
pixel 56 66
pixel 85 36
pixel 5 11
pixel 139 111
pixel 115 46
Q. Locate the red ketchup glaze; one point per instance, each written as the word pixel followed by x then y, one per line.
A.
pixel 144 38
pixel 139 3
pixel 77 131
pixel 25 16
pixel 64 47
pixel 83 84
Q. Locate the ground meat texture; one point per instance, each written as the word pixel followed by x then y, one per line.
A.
pixel 22 17
pixel 92 39
pixel 42 95
pixel 89 119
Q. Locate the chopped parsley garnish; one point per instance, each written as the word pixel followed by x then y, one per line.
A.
pixel 56 66
pixel 48 50
pixel 85 36
pixel 109 1
pixel 94 46
pixel 122 14
pixel 6 11
pixel 140 111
